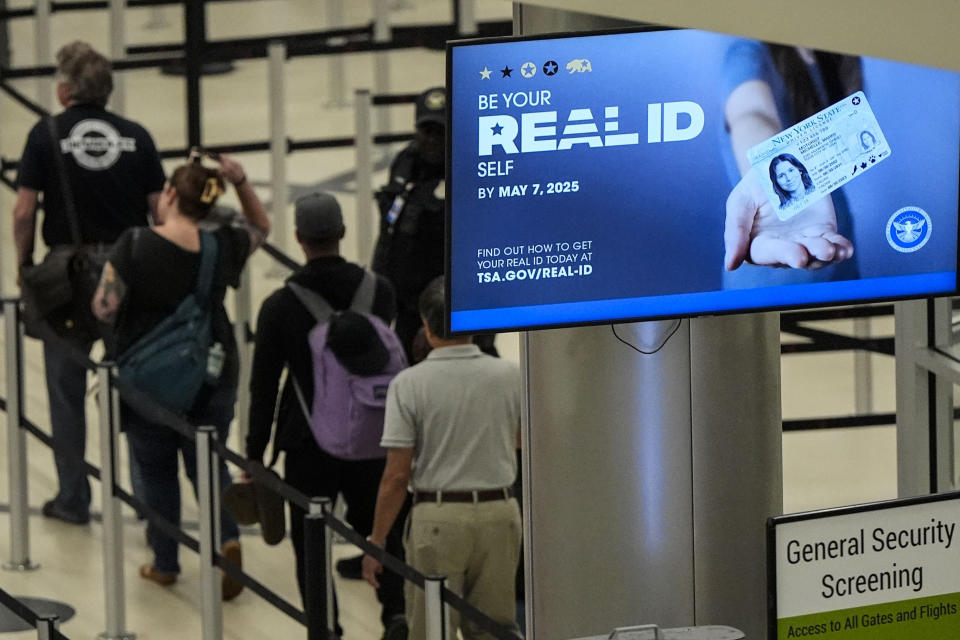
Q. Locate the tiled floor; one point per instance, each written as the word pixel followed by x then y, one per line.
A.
pixel 820 468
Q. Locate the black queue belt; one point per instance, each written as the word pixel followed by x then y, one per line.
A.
pixel 147 408
pixel 280 256
pixel 21 610
pixel 24 101
pixel 47 440
pixel 175 533
pixel 74 5
pixel 26 614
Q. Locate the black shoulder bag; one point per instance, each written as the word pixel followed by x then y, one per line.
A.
pixel 58 291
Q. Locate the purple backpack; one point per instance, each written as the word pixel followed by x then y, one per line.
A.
pixel 347 413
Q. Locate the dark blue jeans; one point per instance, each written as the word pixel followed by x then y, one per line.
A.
pixel 66 394
pixel 155 448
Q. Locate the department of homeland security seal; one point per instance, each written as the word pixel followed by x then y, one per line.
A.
pixel 909 229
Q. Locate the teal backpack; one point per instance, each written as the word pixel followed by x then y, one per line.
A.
pixel 170 362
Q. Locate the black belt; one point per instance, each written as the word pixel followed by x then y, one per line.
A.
pixel 480 495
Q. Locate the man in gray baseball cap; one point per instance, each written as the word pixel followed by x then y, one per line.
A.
pixel 282 342
pixel 318 218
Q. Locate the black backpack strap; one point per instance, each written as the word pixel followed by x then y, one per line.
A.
pixel 363 297
pixel 208 262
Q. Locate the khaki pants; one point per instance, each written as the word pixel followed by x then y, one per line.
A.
pixel 476 547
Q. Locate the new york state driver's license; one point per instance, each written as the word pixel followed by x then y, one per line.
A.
pixel 831 147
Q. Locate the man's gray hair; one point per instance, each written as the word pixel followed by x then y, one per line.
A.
pixel 86 72
pixel 432 305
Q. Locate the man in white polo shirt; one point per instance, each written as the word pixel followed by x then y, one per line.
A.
pixel 451 431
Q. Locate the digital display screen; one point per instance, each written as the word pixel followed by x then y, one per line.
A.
pixel 663 173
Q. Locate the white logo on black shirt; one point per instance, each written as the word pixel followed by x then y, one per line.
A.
pixel 96 145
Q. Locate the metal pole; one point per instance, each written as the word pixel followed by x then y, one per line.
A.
pixel 336 79
pixel 466 18
pixel 16 442
pixel 195 28
pixel 942 425
pixel 364 238
pixel 46 625
pixel 210 596
pixel 435 613
pixel 381 21
pixel 4 38
pixel 382 32
pixel 318 595
pixel 381 85
pixel 42 48
pixel 109 405
pixel 277 56
pixel 118 50
pixel 862 371
pixel 242 313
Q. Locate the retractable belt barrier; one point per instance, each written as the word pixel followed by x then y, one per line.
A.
pixel 151 411
pixel 77 5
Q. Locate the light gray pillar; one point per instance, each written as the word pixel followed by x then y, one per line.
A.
pixel 435 614
pixel 113 575
pixel 925 427
pixel 43 50
pixel 211 613
pixel 277 60
pixel 19 559
pixel 118 51
pixel 648 478
pixel 365 227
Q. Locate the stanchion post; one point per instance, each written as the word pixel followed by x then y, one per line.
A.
pixel 382 32
pixel 435 613
pixel 118 50
pixel 321 621
pixel 362 105
pixel 195 42
pixel 109 405
pixel 381 21
pixel 336 79
pixel 211 618
pixel 42 48
pixel 242 312
pixel 46 625
pixel 466 18
pixel 862 370
pixel 16 442
pixel 277 58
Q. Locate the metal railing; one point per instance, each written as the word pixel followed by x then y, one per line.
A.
pixel 318 524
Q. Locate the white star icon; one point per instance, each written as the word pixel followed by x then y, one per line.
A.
pixel 485 74
pixel 528 70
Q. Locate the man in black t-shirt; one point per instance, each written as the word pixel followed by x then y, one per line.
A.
pixel 115 177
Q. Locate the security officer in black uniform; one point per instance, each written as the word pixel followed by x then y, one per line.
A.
pixel 409 251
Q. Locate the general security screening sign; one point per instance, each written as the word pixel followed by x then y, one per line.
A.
pixel 891 571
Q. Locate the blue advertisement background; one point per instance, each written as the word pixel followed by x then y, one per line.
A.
pixel 654 213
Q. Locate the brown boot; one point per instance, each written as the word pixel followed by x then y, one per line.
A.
pixel 229 587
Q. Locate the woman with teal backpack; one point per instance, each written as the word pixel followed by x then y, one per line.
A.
pixel 154 279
